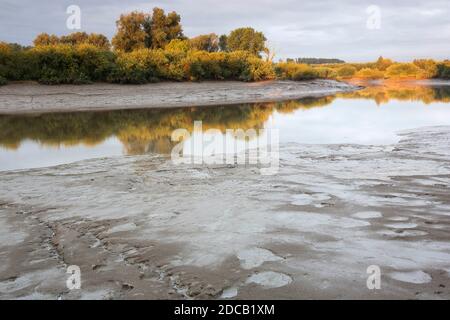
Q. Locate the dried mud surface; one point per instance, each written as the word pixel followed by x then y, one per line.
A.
pixel 140 227
pixel 34 98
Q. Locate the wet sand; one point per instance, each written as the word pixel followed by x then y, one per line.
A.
pixel 34 98
pixel 140 227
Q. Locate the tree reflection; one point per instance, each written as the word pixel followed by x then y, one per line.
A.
pixel 143 131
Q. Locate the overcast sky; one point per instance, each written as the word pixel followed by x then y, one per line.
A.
pixel 328 29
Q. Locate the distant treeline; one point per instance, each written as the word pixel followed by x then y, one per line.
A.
pixel 315 60
pixel 151 47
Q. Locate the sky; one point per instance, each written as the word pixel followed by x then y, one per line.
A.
pixel 352 30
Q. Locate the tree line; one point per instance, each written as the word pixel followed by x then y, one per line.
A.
pixel 150 47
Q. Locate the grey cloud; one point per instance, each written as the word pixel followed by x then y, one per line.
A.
pixel 324 28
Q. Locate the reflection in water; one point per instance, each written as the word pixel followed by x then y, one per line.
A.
pixel 144 131
pixel 383 92
pixel 140 131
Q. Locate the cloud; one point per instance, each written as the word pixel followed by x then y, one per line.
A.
pixel 324 28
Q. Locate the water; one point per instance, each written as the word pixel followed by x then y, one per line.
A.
pixel 370 116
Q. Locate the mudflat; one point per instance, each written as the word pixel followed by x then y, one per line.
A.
pixel 141 227
pixel 35 98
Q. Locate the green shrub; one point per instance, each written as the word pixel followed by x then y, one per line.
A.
pixel 326 73
pixel 201 65
pixel 236 66
pixel 295 71
pixel 404 70
pixel 370 74
pixel 259 69
pixel 12 62
pixel 139 66
pixel 3 81
pixel 55 64
pixel 443 70
pixel 428 67
pixel 346 71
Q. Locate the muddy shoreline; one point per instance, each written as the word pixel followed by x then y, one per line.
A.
pixel 19 98
pixel 140 227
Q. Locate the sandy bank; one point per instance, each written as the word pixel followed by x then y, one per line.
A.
pixel 35 98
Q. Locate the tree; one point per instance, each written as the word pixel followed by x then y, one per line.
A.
pixel 138 30
pixel 429 67
pixel 404 70
pixel 382 63
pixel 99 40
pixel 223 39
pixel 44 39
pixel 346 71
pixel 130 32
pixel 246 39
pixel 163 28
pixel 205 42
pixel 74 38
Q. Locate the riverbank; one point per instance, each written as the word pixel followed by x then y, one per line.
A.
pixel 34 98
pixel 140 227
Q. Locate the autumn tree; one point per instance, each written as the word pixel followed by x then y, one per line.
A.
pixel 96 39
pixel 382 63
pixel 223 43
pixel 205 42
pixel 163 28
pixel 44 39
pixel 246 39
pixel 428 66
pixel 74 38
pixel 138 30
pixel 130 32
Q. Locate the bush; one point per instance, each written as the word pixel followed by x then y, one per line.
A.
pixel 3 81
pixel 295 71
pixel 202 65
pixel 404 70
pixel 443 70
pixel 139 66
pixel 326 73
pixel 428 67
pixel 346 71
pixel 370 74
pixel 236 66
pixel 259 69
pixel 13 62
pixel 56 64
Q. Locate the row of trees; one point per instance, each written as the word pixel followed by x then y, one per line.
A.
pixel 138 30
pixel 315 60
pixel 152 46
pixel 388 69
pixel 75 38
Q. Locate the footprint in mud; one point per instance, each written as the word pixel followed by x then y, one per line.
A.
pixel 305 199
pixel 367 215
pixel 416 277
pixel 254 257
pixel 270 279
pixel 402 225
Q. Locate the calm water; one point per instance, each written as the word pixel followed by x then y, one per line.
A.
pixel 370 116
